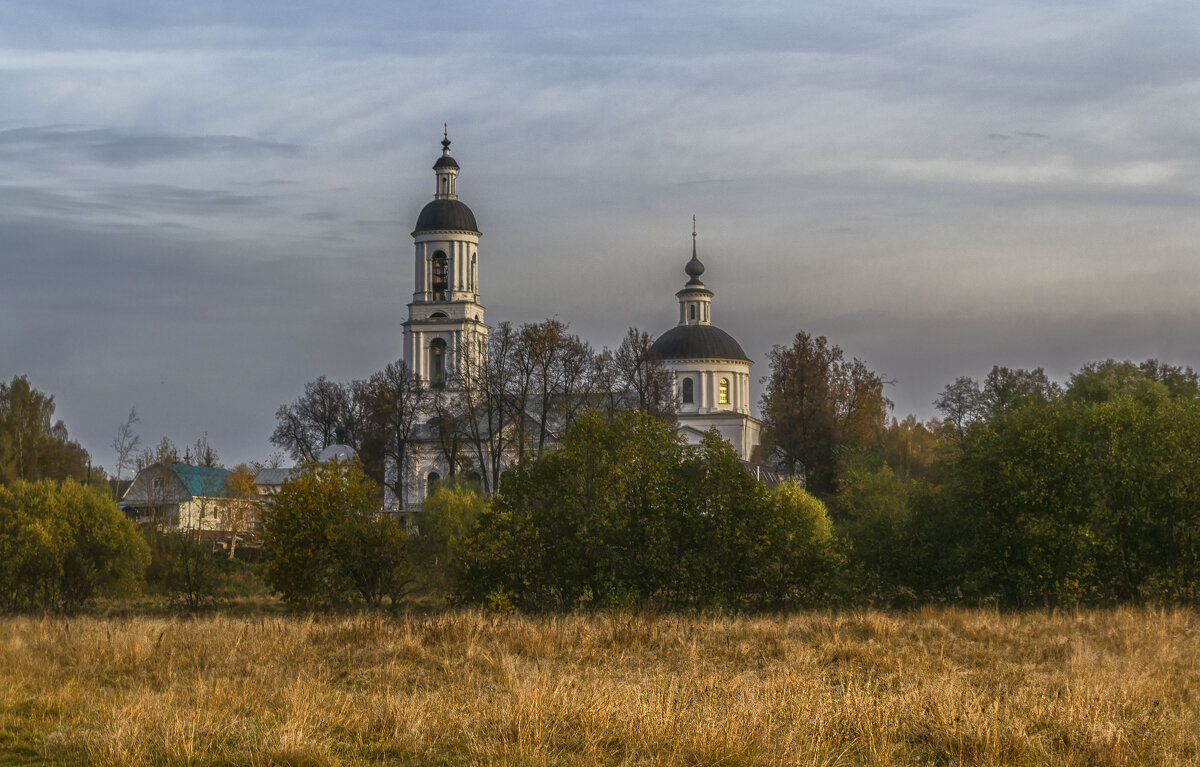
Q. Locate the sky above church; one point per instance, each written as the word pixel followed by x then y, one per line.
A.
pixel 205 205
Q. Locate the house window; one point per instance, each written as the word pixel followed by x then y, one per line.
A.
pixel 156 484
pixel 441 277
pixel 437 362
pixel 723 392
pixel 688 395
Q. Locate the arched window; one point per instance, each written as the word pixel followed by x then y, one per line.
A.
pixel 431 482
pixel 437 315
pixel 688 395
pixel 441 276
pixel 691 311
pixel 723 392
pixel 437 362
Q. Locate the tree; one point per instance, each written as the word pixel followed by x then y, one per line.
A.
pixel 481 409
pixel 32 445
pixel 309 425
pixel 913 449
pixel 62 544
pixel 872 509
pixel 126 442
pixel 239 512
pixel 965 402
pixel 815 403
pixel 1103 381
pixel 643 376
pixel 448 518
pixel 961 404
pixel 395 400
pixel 624 512
pixel 548 382
pixel 327 538
pixel 203 454
pixel 164 452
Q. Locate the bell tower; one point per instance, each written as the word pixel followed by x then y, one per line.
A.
pixel 445 335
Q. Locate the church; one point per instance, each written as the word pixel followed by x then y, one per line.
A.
pixel 445 332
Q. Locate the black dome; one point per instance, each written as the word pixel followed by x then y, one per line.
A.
pixel 686 342
pixel 441 215
pixel 445 161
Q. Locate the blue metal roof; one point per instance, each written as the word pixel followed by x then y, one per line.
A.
pixel 202 481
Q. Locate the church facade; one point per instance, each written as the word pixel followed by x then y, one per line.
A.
pixel 445 334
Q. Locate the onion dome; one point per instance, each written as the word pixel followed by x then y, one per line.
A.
pixel 691 342
pixel 339 450
pixel 695 337
pixel 446 215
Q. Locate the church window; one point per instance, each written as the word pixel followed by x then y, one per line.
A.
pixel 692 312
pixel 431 483
pixel 437 362
pixel 723 392
pixel 688 395
pixel 437 315
pixel 440 276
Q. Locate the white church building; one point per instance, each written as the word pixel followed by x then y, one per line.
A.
pixel 445 330
pixel 711 372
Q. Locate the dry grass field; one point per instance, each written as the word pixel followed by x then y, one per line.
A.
pixel 928 687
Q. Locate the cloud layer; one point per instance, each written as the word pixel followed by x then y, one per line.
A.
pixel 201 209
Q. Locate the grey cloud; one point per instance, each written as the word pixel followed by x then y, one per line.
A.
pixel 112 146
pixel 175 199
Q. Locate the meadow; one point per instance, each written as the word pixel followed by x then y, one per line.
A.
pixel 931 686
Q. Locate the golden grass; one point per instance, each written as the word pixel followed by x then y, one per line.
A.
pixel 951 687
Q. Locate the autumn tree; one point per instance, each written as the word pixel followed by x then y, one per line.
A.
pixel 239 512
pixel 328 539
pixel 912 448
pixel 816 402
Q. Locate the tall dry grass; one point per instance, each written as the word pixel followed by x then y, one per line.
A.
pixel 929 687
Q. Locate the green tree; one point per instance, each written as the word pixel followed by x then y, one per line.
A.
pixel 1102 381
pixel 182 567
pixel 327 538
pixel 448 518
pixel 1091 497
pixel 32 445
pixel 62 544
pixel 872 509
pixel 624 512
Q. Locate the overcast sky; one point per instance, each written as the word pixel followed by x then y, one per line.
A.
pixel 205 205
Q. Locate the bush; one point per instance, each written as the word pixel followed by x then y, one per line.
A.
pixel 448 517
pixel 61 545
pixel 326 538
